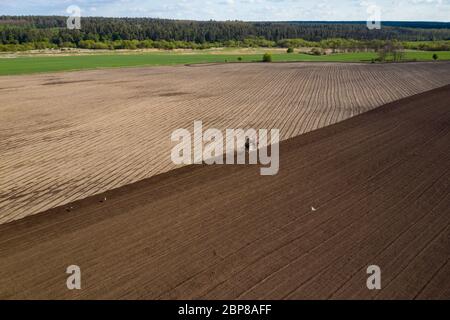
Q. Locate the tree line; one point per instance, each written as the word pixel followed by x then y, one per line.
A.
pixel 39 32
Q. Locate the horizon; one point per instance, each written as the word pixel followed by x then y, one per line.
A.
pixel 241 10
pixel 233 20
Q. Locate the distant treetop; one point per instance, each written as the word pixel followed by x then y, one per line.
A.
pixel 29 29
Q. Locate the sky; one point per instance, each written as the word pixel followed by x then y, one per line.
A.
pixel 247 10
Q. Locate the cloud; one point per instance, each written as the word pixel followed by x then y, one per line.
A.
pixel 414 10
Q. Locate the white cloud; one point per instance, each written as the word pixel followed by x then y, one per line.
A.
pixel 414 10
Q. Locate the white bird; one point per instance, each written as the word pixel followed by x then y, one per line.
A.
pixel 313 209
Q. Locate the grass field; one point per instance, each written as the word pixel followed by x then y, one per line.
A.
pixel 37 64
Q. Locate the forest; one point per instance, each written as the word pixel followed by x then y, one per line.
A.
pixel 18 33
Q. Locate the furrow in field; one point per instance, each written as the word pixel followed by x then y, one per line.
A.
pixel 67 136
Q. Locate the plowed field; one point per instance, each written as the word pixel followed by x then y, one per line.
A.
pixel 379 183
pixel 66 136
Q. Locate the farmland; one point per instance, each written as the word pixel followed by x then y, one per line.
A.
pixel 68 136
pixel 379 182
pixel 26 64
pixel 217 155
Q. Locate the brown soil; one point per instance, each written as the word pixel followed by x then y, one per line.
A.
pixel 379 182
pixel 67 136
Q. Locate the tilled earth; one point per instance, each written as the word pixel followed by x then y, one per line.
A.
pixel 67 136
pixel 371 190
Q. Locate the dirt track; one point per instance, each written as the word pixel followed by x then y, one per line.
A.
pixel 66 136
pixel 380 183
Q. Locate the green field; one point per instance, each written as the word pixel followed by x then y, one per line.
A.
pixel 39 63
